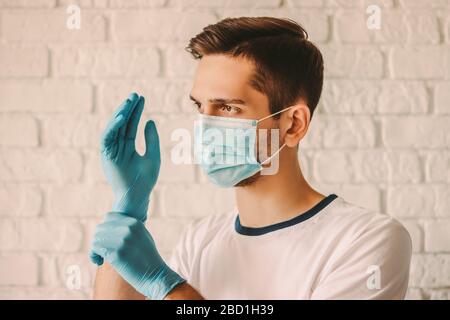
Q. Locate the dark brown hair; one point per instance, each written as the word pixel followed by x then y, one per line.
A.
pixel 287 65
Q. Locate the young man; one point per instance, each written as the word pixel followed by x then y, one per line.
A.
pixel 284 240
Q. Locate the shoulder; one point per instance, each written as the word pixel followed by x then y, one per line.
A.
pixel 360 230
pixel 358 221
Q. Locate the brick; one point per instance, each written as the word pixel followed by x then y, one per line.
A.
pixel 447 30
pixel 92 171
pixel 165 97
pixel 424 3
pixel 115 4
pixel 359 3
pixel 437 237
pixel 85 131
pixel 442 205
pixel 63 130
pixel 411 63
pixel 364 195
pixel 106 61
pixel 39 293
pixel 40 235
pixel 416 132
pixel 366 166
pixel 350 26
pixel 422 27
pixel 411 201
pixel 396 27
pixel 45 96
pixel 430 271
pixel 169 125
pixel 414 294
pixel 179 63
pixel 79 200
pixel 305 3
pixel 371 97
pixel 437 166
pixel 20 200
pixel 340 132
pixel 214 200
pixel 137 3
pixel 402 97
pixel 351 132
pixel 27 3
pixel 415 231
pixel 378 166
pixel 85 3
pixel 228 3
pixel 40 164
pixel 19 270
pixel 442 98
pixel 438 294
pixel 446 66
pixel 315 134
pixel 18 130
pixel 352 62
pixel 174 172
pixel 158 25
pixel 59 270
pixel 23 61
pixel 89 224
pixel 43 26
pixel 305 164
pixel 332 167
pixel 315 21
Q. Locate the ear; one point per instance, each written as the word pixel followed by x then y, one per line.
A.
pixel 295 123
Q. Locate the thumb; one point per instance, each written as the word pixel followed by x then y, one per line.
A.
pixel 151 141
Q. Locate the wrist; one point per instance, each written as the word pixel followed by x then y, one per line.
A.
pixel 162 284
pixel 132 207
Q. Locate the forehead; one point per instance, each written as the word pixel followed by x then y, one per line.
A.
pixel 222 75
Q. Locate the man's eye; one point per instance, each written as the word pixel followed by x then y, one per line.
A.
pixel 229 109
pixel 197 105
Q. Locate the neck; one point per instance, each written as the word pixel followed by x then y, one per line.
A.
pixel 276 198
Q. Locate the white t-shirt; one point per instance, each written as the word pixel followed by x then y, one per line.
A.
pixel 335 250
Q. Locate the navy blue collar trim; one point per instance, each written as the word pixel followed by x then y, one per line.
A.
pixel 251 231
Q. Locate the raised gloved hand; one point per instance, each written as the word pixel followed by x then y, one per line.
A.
pixel 126 244
pixel 131 176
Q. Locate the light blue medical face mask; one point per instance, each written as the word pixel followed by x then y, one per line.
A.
pixel 225 148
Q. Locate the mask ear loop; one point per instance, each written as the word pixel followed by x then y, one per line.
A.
pixel 273 155
pixel 284 144
pixel 273 114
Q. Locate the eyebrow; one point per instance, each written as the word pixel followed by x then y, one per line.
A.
pixel 221 100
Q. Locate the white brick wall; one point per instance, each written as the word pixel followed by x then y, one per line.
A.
pixel 380 137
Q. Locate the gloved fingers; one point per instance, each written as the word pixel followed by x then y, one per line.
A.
pixel 152 142
pixel 117 229
pixel 107 241
pixel 135 117
pixel 97 251
pixel 127 111
pixel 108 247
pixel 110 134
pixel 95 258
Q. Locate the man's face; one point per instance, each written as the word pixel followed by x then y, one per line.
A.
pixel 220 79
pixel 221 88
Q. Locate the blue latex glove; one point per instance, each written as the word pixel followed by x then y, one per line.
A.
pixel 126 244
pixel 131 176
